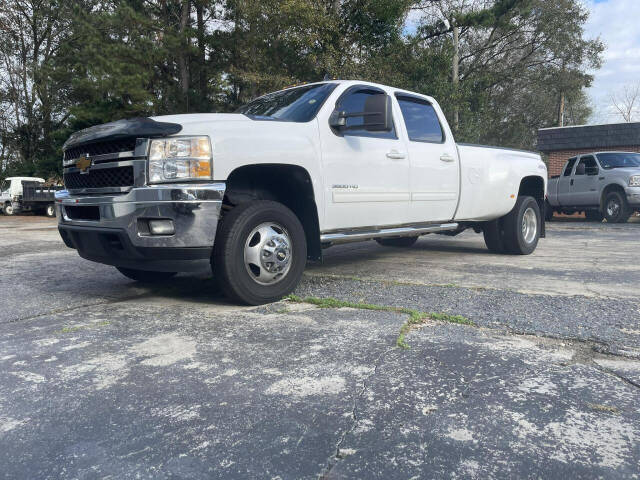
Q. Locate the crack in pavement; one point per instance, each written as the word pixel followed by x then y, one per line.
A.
pixel 333 460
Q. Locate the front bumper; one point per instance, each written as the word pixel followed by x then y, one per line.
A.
pixel 113 229
pixel 633 196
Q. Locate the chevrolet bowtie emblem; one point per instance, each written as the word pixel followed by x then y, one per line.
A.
pixel 83 164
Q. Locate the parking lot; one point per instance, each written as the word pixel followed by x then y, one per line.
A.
pixel 517 367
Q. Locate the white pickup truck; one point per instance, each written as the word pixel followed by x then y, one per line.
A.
pixel 256 193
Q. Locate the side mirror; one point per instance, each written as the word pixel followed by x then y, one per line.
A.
pixel 377 116
pixel 593 171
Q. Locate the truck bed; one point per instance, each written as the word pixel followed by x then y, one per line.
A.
pixel 34 192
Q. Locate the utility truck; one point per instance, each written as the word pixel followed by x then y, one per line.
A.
pixel 257 193
pixel 27 194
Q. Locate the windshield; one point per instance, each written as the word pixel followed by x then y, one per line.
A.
pixel 619 160
pixel 292 105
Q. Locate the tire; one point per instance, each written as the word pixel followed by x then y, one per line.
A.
pixel 145 276
pixel 8 210
pixel 548 211
pixel 616 209
pixel 521 227
pixel 493 236
pixel 50 211
pixel 248 237
pixel 593 216
pixel 403 242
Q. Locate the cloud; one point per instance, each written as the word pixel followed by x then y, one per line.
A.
pixel 616 23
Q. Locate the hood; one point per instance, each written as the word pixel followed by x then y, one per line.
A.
pixel 186 118
pixel 150 127
pixel 622 171
pixel 121 129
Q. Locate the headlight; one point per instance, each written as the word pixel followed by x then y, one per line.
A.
pixel 634 181
pixel 180 158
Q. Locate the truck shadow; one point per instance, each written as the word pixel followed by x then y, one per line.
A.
pixel 199 288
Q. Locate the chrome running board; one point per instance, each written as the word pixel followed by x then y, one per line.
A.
pixel 359 235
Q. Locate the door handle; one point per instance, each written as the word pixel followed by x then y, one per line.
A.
pixel 571 182
pixel 445 157
pixel 396 155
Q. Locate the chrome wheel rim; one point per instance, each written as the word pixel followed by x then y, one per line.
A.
pixel 613 207
pixel 268 253
pixel 50 211
pixel 8 210
pixel 529 225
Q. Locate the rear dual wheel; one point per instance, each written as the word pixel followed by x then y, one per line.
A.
pixel 517 232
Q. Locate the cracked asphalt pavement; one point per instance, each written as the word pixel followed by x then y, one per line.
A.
pixel 101 377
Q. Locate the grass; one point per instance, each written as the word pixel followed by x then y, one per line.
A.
pixel 603 408
pixel 416 317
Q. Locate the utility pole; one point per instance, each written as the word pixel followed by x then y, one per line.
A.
pixel 455 73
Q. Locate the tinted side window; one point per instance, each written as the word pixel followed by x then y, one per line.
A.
pixel 354 102
pixel 587 166
pixel 569 167
pixel 421 120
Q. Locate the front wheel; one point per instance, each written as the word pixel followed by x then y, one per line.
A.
pixel 260 252
pixel 50 211
pixel 8 209
pixel 402 242
pixel 145 276
pixel 616 209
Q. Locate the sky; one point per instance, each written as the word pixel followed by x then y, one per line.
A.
pixel 617 23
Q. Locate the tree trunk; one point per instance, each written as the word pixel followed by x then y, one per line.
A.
pixel 455 75
pixel 184 53
pixel 561 110
pixel 202 71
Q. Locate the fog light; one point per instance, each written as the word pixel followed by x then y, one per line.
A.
pixel 161 227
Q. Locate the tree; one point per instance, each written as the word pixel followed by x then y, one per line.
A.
pixel 32 99
pixel 626 103
pixel 512 56
pixel 500 68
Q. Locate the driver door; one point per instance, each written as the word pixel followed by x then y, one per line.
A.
pixel 366 173
pixel 585 182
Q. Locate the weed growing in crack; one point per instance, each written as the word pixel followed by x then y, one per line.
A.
pixel 415 317
pixel 603 408
pixel 83 327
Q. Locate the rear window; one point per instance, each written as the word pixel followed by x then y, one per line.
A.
pixel 421 120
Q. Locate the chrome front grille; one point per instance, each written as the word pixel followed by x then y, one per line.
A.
pixel 102 178
pixel 115 166
pixel 101 148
